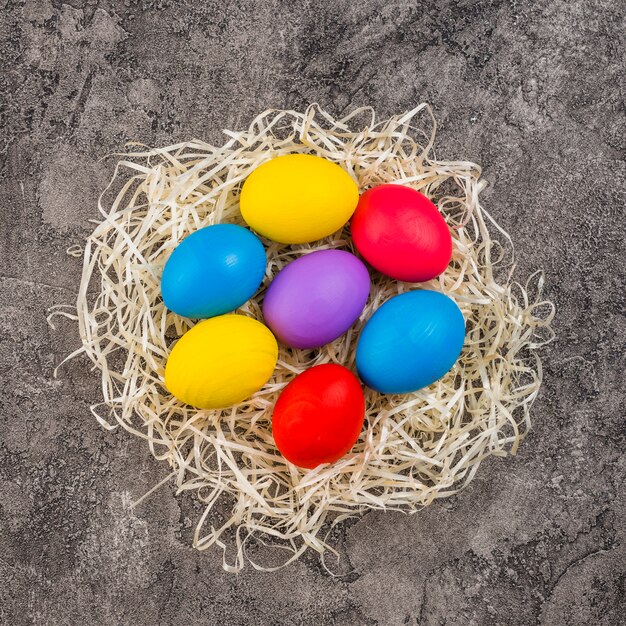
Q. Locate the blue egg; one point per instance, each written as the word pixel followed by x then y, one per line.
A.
pixel 411 341
pixel 213 271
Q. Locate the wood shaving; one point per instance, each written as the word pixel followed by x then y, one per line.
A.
pixel 414 448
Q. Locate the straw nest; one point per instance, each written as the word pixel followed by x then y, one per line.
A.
pixel 414 448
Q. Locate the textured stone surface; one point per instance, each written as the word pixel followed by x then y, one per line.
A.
pixel 532 90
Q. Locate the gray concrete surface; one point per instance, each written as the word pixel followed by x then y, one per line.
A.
pixel 531 90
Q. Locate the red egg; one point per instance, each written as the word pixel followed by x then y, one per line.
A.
pixel 401 233
pixel 319 415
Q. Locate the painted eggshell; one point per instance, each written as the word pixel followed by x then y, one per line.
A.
pixel 401 233
pixel 221 361
pixel 298 198
pixel 316 298
pixel 319 415
pixel 213 271
pixel 411 341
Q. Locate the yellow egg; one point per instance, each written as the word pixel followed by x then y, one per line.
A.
pixel 298 198
pixel 221 361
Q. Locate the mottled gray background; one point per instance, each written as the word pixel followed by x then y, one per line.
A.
pixel 531 90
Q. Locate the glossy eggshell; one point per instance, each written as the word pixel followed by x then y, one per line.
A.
pixel 221 361
pixel 401 233
pixel 316 298
pixel 319 415
pixel 213 271
pixel 298 198
pixel 411 341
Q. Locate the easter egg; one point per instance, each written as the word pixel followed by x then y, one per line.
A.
pixel 401 233
pixel 316 298
pixel 319 415
pixel 221 361
pixel 213 271
pixel 411 341
pixel 298 198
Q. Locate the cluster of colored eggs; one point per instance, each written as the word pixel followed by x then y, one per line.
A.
pixel 409 342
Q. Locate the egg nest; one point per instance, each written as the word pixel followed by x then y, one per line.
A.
pixel 414 448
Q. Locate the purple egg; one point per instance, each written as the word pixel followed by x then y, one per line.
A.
pixel 316 298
